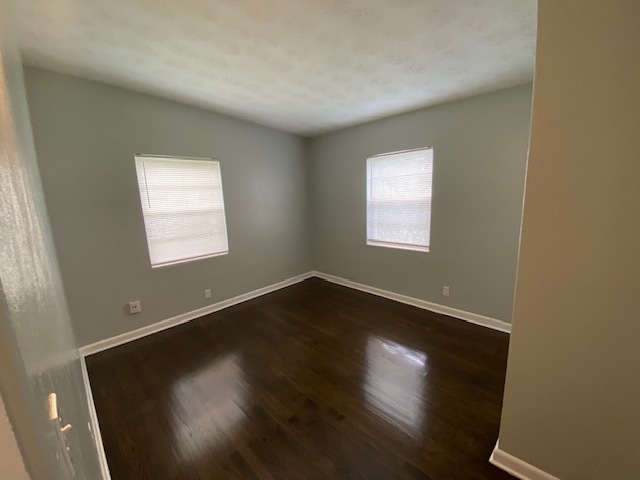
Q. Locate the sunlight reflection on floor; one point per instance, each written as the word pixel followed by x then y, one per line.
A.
pixel 199 430
pixel 394 383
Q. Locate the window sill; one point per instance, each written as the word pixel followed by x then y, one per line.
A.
pixel 398 246
pixel 188 260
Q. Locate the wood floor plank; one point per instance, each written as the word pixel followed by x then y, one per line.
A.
pixel 315 381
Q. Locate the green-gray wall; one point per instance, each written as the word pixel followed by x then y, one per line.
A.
pixel 480 150
pixel 292 204
pixel 86 136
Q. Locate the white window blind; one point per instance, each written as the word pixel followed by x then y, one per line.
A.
pixel 183 208
pixel 399 199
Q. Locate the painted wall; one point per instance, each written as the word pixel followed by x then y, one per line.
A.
pixel 86 136
pixel 572 398
pixel 480 149
pixel 38 351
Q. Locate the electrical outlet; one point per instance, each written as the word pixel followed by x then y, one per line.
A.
pixel 445 291
pixel 207 293
pixel 135 307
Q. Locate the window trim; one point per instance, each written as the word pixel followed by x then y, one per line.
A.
pixel 398 246
pixel 153 266
pixel 187 260
pixel 394 245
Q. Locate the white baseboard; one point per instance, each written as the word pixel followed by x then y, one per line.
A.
pixel 433 307
pixel 516 467
pixel 186 317
pixel 95 426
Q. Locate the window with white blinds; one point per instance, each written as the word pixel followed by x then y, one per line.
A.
pixel 399 199
pixel 183 208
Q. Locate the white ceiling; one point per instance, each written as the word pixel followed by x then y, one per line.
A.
pixel 306 66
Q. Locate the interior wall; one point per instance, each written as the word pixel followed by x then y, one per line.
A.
pixel 38 351
pixel 87 134
pixel 480 151
pixel 572 397
pixel 292 204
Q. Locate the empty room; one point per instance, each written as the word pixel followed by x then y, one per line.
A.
pixel 319 239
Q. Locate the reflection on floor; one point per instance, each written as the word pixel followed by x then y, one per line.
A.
pixel 394 384
pixel 314 381
pixel 199 424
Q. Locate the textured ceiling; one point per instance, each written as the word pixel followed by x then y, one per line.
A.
pixel 306 66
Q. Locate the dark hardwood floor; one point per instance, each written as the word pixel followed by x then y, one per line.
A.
pixel 310 382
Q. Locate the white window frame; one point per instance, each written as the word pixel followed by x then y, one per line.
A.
pixel 398 245
pixel 140 158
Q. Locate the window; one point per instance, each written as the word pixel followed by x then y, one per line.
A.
pixel 399 199
pixel 183 208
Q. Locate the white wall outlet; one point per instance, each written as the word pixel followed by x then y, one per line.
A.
pixel 207 293
pixel 135 307
pixel 445 291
